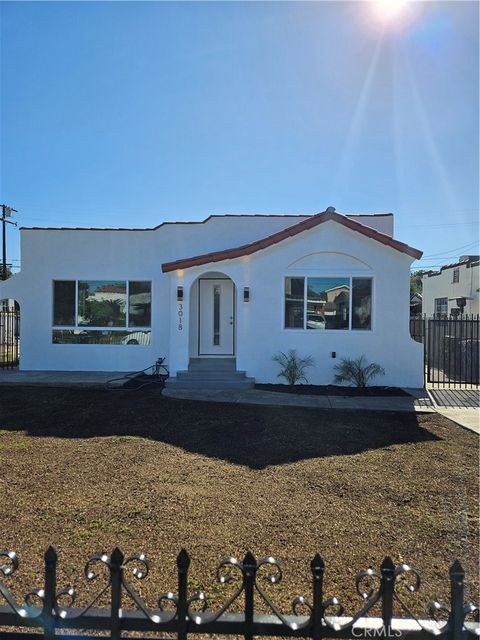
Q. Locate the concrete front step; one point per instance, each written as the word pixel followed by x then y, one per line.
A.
pixel 212 364
pixel 210 383
pixel 210 375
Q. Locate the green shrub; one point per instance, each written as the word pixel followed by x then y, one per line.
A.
pixel 292 367
pixel 358 372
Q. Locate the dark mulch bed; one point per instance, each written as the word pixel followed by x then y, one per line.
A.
pixel 87 469
pixel 333 390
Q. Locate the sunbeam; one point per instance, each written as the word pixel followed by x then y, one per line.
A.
pixel 399 154
pixel 354 132
pixel 429 138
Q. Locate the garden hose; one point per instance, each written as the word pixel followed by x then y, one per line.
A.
pixel 155 377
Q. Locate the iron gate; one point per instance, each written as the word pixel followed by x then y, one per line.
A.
pixel 451 349
pixel 9 338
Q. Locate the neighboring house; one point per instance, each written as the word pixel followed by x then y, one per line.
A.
pixel 416 304
pixel 243 287
pixel 453 290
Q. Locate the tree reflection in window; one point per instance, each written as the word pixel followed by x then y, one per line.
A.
pixel 102 303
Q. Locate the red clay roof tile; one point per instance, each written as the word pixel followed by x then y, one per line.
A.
pixel 279 236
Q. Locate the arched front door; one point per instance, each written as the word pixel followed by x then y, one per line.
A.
pixel 216 316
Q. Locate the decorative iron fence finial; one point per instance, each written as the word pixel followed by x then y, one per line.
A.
pixel 183 616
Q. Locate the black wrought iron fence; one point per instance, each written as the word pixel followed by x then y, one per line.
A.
pixel 451 348
pixel 181 614
pixel 9 338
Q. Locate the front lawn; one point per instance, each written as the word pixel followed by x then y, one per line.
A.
pixel 86 470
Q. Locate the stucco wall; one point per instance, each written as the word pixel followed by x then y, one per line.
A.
pixel 327 250
pixel 51 254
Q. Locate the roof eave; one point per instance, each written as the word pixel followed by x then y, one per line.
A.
pixel 279 236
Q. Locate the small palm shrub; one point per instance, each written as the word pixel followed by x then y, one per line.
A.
pixel 357 371
pixel 292 367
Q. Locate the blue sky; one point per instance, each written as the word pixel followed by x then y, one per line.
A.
pixel 132 113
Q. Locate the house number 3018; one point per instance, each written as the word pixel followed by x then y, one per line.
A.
pixel 180 316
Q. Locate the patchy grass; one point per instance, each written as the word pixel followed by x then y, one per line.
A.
pixel 86 470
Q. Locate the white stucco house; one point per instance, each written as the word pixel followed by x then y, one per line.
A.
pixel 454 289
pixel 236 288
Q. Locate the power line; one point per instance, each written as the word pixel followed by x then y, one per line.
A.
pixel 465 246
pixel 426 267
pixel 126 211
pixel 446 224
pixel 447 257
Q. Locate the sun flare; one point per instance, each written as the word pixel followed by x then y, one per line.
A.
pixel 390 10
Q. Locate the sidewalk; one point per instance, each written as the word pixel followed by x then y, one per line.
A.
pixel 459 405
pixel 466 418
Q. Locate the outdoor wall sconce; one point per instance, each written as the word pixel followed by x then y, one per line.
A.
pixel 246 294
pixel 179 294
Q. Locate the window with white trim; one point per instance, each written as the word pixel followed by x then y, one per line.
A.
pixel 337 303
pixel 102 312
pixel 441 307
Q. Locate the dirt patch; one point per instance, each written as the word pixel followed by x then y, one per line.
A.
pixel 86 470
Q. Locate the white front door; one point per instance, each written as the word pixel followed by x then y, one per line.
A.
pixel 216 317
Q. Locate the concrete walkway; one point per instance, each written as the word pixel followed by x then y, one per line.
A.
pixel 15 377
pixel 418 401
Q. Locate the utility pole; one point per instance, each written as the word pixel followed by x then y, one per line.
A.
pixel 6 213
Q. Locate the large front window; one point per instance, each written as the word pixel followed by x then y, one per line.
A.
pixel 102 303
pixel 328 303
pixel 101 312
